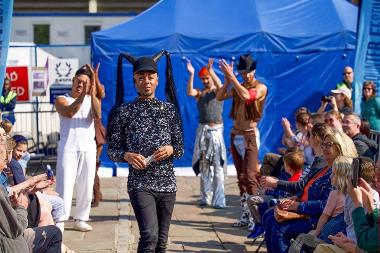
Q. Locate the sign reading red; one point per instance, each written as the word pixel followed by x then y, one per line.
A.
pixel 19 81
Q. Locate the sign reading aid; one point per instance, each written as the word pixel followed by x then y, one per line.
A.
pixel 61 71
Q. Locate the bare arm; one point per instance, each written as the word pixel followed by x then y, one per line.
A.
pixel 100 91
pixel 95 101
pixel 242 92
pixel 321 223
pixel 66 110
pixel 215 78
pixel 190 89
pixel 224 92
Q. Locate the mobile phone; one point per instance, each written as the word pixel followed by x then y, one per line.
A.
pixel 149 159
pixel 356 164
pixel 49 172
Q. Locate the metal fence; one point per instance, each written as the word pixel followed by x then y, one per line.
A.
pixel 375 135
pixel 40 125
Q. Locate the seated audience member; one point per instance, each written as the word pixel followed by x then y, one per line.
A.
pixel 313 197
pixel 14 237
pixel 340 101
pixel 331 220
pixel 351 126
pixel 7 126
pixel 342 242
pixel 366 225
pixel 299 139
pixel 316 118
pixel 365 128
pixel 293 164
pixel 334 119
pixel 51 202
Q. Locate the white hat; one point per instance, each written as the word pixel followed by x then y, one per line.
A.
pixel 343 90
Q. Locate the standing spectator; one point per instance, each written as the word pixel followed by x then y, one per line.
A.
pixel 147 133
pixel 76 159
pixel 365 147
pixel 370 106
pixel 8 101
pixel 100 135
pixel 209 157
pixel 247 110
pixel 348 78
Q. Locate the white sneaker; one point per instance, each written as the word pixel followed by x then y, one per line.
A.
pixel 82 226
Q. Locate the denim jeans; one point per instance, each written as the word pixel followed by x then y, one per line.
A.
pixel 332 227
pixel 278 235
pixel 44 239
pixel 153 212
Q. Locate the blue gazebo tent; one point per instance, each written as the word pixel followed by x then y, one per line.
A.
pixel 301 48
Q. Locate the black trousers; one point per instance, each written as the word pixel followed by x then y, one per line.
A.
pixel 153 212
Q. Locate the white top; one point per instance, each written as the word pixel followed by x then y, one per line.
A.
pixel 77 133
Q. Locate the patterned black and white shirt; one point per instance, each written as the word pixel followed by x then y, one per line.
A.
pixel 143 126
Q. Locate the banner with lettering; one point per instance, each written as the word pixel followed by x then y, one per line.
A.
pixel 367 60
pixel 6 10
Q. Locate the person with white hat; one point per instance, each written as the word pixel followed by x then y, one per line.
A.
pixel 339 101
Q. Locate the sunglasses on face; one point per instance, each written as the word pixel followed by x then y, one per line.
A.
pixel 330 120
pixel 367 88
pixel 347 73
pixel 327 145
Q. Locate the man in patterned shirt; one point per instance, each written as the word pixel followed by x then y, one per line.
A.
pixel 147 133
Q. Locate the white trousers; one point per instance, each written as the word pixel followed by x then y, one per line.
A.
pixel 76 168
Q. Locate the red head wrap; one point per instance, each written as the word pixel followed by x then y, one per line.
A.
pixel 203 72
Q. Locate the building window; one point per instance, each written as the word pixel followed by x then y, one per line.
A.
pixel 88 29
pixel 41 34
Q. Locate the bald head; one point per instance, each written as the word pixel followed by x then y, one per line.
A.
pixel 348 75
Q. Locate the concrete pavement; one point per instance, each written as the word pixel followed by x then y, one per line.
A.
pixel 193 229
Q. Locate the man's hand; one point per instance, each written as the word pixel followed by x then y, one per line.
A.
pixel 367 196
pixel 42 185
pixel 227 69
pixel 136 160
pixel 190 67
pixel 285 123
pixel 163 153
pixel 19 199
pixel 289 205
pixel 210 64
pixel 266 181
pixel 343 242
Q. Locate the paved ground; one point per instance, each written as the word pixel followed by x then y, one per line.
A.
pixel 193 229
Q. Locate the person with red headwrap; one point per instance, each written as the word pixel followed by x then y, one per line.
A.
pixel 209 157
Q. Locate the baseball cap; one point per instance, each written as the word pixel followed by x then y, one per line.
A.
pixel 343 90
pixel 145 64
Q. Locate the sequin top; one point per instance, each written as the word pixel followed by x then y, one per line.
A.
pixel 142 126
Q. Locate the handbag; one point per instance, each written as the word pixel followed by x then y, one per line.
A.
pixel 282 215
pixel 304 243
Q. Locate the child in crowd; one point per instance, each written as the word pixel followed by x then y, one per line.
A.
pixel 331 220
pixel 293 165
pixel 7 126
